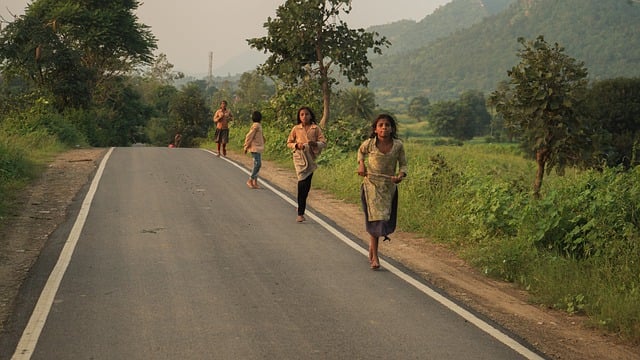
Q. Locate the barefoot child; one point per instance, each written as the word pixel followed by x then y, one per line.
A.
pixel 378 159
pixel 254 143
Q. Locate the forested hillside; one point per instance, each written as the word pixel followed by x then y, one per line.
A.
pixel 605 34
pixel 460 14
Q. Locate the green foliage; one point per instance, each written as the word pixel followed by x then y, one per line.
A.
pixel 418 107
pixel 190 114
pixel 462 119
pixel 69 47
pixel 15 170
pixel 347 133
pixel 576 250
pixel 253 92
pixel 14 166
pixel 41 118
pixel 357 103
pixel 26 139
pixel 590 215
pixel 614 105
pixel 541 105
pixel 450 118
pixel 306 41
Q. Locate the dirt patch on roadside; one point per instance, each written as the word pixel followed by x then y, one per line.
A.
pixel 556 334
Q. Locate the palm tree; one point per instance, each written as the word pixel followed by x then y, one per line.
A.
pixel 358 102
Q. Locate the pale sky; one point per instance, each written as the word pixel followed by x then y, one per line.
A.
pixel 188 30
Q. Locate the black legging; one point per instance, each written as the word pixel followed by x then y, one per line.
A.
pixel 303 191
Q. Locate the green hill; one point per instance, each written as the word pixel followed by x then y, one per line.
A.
pixel 476 55
pixel 460 14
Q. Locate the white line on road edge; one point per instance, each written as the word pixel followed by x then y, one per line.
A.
pixel 32 331
pixel 481 324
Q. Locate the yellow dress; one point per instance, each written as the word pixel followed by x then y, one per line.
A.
pixel 378 189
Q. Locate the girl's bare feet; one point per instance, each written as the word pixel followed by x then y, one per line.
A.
pixel 375 265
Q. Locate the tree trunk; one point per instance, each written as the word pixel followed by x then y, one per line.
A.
pixel 541 160
pixel 326 101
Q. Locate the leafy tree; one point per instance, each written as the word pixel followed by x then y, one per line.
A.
pixel 161 70
pixel 448 118
pixel 357 102
pixel 253 90
pixel 307 39
pixel 69 47
pixel 419 107
pixel 190 115
pixel 614 104
pixel 461 119
pixel 474 106
pixel 540 105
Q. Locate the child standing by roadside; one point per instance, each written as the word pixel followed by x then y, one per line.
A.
pixel 254 143
pixel 383 153
pixel 221 118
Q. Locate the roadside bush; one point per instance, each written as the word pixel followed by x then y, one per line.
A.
pixel 43 119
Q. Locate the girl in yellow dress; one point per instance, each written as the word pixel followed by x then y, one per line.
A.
pixel 379 157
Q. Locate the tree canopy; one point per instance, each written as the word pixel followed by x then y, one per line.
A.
pixel 69 47
pixel 540 105
pixel 307 39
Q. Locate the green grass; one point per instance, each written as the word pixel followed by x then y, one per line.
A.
pixel 577 249
pixel 22 159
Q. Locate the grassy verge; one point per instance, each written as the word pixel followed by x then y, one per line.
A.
pixel 22 159
pixel 577 249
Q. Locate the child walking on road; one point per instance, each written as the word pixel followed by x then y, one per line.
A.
pixel 254 143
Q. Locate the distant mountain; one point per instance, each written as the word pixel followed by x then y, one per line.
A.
pixel 605 34
pixel 457 15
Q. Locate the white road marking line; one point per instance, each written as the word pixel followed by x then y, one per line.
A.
pixel 34 327
pixel 465 314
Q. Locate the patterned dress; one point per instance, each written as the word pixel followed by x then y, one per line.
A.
pixel 379 193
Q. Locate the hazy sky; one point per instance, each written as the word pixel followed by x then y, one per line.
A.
pixel 187 30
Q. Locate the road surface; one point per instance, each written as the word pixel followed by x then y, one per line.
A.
pixel 171 256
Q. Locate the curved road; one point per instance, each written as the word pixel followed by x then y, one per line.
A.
pixel 171 256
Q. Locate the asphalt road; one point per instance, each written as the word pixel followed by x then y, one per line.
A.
pixel 171 256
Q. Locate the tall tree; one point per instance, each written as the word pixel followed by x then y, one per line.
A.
pixel 70 46
pixel 307 38
pixel 540 105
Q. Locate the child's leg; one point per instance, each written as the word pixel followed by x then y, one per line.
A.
pixel 373 252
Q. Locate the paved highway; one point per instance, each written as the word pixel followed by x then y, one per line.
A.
pixel 171 256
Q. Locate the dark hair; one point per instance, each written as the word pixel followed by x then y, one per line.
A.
pixel 313 116
pixel 394 127
pixel 256 116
